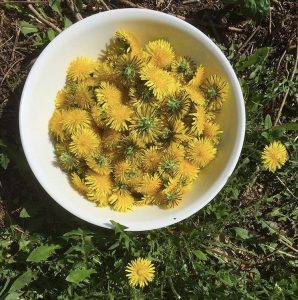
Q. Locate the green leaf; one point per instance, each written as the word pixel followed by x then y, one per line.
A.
pixel 66 22
pixel 259 56
pixel 24 214
pixel 287 126
pixel 13 296
pixel 4 160
pixel 268 122
pixel 27 28
pixel 42 253
pixel 51 34
pixel 78 275
pixel 241 233
pixel 200 255
pixel 55 6
pixel 21 281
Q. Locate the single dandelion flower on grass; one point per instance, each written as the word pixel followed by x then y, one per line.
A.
pixel 121 202
pixel 215 90
pixel 140 272
pixel 75 119
pixel 201 152
pixel 56 125
pixel 161 82
pixel 161 53
pixel 84 143
pixel 274 156
pixel 78 183
pixel 198 77
pixel 149 184
pixel 99 163
pixel 80 68
pixel 98 185
pixel 212 132
pixel 145 125
pixel 184 66
pixel 118 117
pixel 127 42
pixel 108 95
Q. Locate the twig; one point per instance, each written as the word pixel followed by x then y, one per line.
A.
pixel 42 19
pixel 74 10
pixel 288 90
pixel 24 1
pixel 286 187
pixel 15 43
pixel 190 1
pixel 104 4
pixel 6 74
pixel 168 5
pixel 289 246
pixel 249 38
pixel 280 60
pixel 5 42
pixel 231 28
pixel 173 288
pixel 178 16
pixel 270 20
pixel 129 3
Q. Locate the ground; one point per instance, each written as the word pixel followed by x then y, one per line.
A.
pixel 241 245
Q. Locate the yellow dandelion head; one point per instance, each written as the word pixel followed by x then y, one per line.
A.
pixel 274 156
pixel 75 119
pixel 149 184
pixel 78 183
pixel 97 114
pixel 67 161
pixel 124 171
pixel 111 139
pixel 198 120
pixel 127 42
pixel 100 200
pixel 56 125
pixel 150 158
pixel 176 151
pixel 145 125
pixel 177 105
pixel 172 193
pixel 140 272
pixel 161 82
pixel 161 53
pixel 104 72
pixel 83 96
pixel 84 143
pixel 91 82
pixel 198 77
pixel 62 99
pixel 108 95
pixel 118 117
pixel 80 68
pixel 176 132
pixel 215 91
pixel 140 95
pixel 184 67
pixel 188 170
pixel 201 152
pixel 212 131
pixel 99 163
pixel 98 185
pixel 195 95
pixel 128 148
pixel 168 166
pixel 121 202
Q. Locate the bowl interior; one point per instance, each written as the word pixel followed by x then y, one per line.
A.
pixel 88 38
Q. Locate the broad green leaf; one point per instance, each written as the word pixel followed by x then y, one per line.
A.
pixel 13 296
pixel 27 28
pixel 42 253
pixel 287 126
pixel 66 22
pixel 268 122
pixel 51 34
pixel 21 281
pixel 78 275
pixel 4 160
pixel 24 214
pixel 241 233
pixel 55 6
pixel 200 255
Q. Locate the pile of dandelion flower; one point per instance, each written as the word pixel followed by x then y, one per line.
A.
pixel 136 126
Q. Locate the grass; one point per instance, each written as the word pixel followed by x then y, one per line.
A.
pixel 242 245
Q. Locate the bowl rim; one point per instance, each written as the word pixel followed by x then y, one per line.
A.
pixel 235 153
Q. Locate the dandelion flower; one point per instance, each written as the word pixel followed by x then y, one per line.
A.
pixel 176 151
pixel 75 119
pixel 129 41
pixel 128 147
pixel 178 132
pixel 198 120
pixel 145 125
pixel 161 82
pixel 274 156
pixel 187 170
pixel 67 161
pixel 104 72
pixel 123 170
pixel 84 143
pixel 195 95
pixel 172 193
pixel 177 105
pixel 56 125
pixel 215 90
pixel 212 131
pixel 99 164
pixel 98 116
pixel 150 159
pixel 100 200
pixel 98 185
pixel 149 184
pixel 108 95
pixel 83 96
pixel 117 118
pixel 201 152
pixel 168 166
pixel 62 99
pixel 80 68
pixel 161 53
pixel 198 77
pixel 121 202
pixel 141 95
pixel 111 139
pixel 184 66
pixel 140 272
pixel 78 183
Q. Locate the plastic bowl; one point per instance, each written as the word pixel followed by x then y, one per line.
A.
pixel 88 38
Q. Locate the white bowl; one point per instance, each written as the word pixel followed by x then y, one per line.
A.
pixel 87 38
